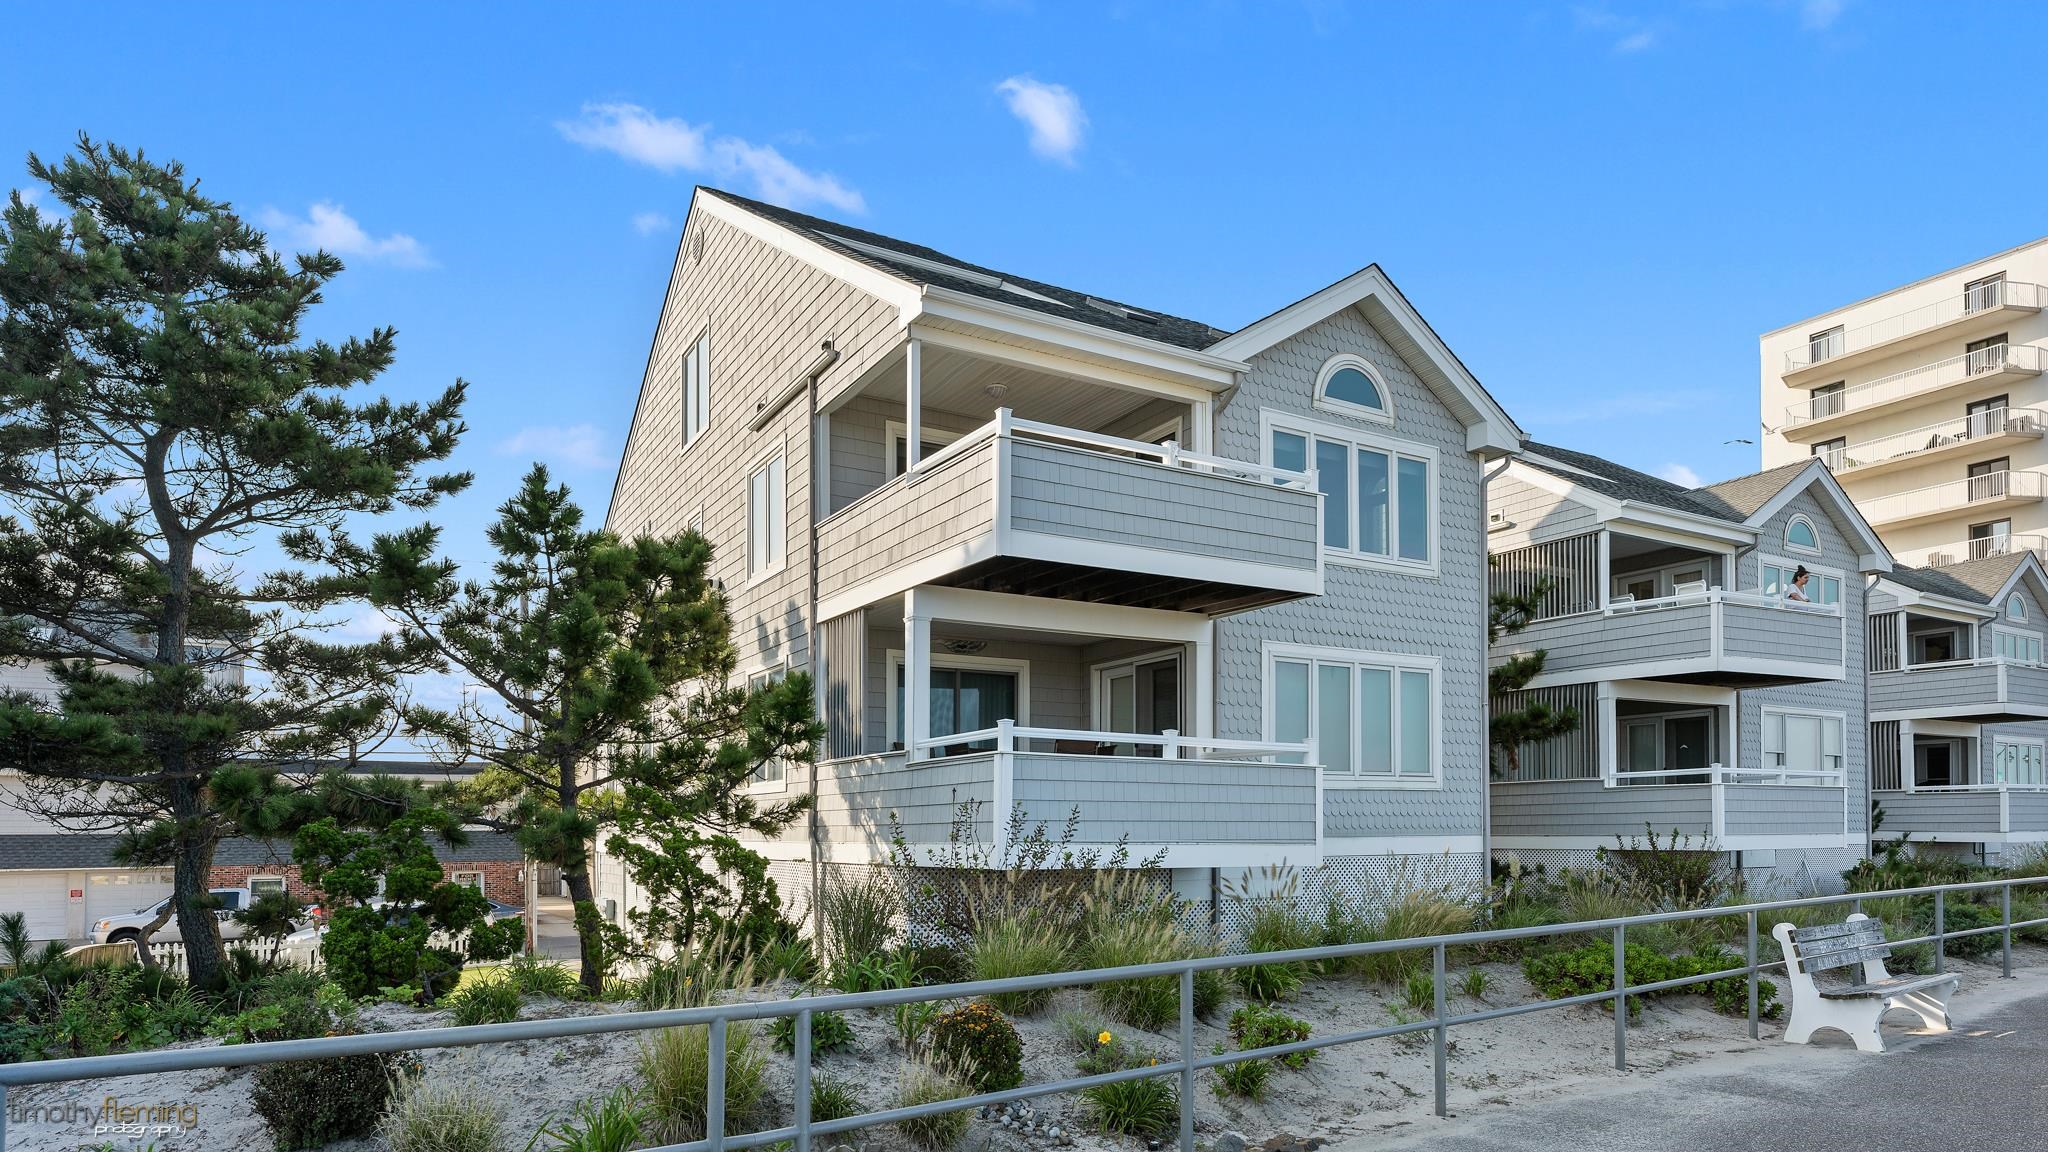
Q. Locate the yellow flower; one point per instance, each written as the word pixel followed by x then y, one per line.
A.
pixel 1102 1039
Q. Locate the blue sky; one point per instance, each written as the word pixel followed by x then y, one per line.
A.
pixel 1599 206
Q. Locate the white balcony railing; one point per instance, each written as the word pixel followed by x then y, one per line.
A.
pixel 1625 605
pixel 1915 381
pixel 1007 736
pixel 1982 298
pixel 1935 499
pixel 1722 774
pixel 2004 544
pixel 1975 426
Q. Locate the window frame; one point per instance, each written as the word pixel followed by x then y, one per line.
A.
pixel 455 876
pixel 1764 752
pixel 267 880
pixel 697 388
pixel 778 556
pixel 1394 448
pixel 770 673
pixel 1815 549
pixel 2016 608
pixel 892 668
pixel 894 431
pixel 2023 636
pixel 1821 572
pixel 1342 360
pixel 1393 663
pixel 2037 746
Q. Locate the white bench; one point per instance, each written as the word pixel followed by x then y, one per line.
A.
pixel 1821 965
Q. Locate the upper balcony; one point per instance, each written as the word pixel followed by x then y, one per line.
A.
pixel 1988 495
pixel 1023 507
pixel 1964 435
pixel 1984 370
pixel 1983 691
pixel 2001 544
pixel 1979 308
pixel 1698 636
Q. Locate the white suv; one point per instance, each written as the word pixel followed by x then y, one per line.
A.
pixel 116 929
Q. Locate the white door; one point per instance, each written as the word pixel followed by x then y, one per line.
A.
pixel 119 893
pixel 43 897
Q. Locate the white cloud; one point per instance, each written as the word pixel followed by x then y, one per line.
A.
pixel 1679 474
pixel 576 446
pixel 648 223
pixel 1817 15
pixel 1053 113
pixel 1631 35
pixel 328 227
pixel 673 145
pixel 364 624
pixel 1636 42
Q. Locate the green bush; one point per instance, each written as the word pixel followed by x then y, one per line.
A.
pixel 1146 1108
pixel 829 1033
pixel 1150 1002
pixel 1676 873
pixel 675 1069
pixel 859 916
pixel 1411 915
pixel 978 1044
pixel 286 1006
pixel 924 1084
pixel 1580 971
pixel 1420 991
pixel 932 963
pixel 1017 943
pixel 611 1124
pixel 1257 1026
pixel 832 1100
pixel 787 955
pixel 1246 1078
pixel 487 1001
pixel 1275 927
pixel 873 972
pixel 313 1103
pixel 442 1115
pixel 1961 916
pixel 537 976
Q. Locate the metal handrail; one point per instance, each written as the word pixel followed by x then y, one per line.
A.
pixel 1948 433
pixel 719 1017
pixel 1983 297
pixel 1902 385
pixel 1934 498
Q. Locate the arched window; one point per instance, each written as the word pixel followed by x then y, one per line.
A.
pixel 2015 609
pixel 1348 384
pixel 1801 536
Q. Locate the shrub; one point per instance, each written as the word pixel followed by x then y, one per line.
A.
pixel 1274 926
pixel 932 963
pixel 873 972
pixel 1018 943
pixel 1257 1026
pixel 608 1125
pixel 787 955
pixel 1420 991
pixel 286 1006
pixel 695 979
pixel 1245 1078
pixel 1674 872
pixel 924 1084
pixel 1149 1002
pixel 1580 971
pixel 1474 983
pixel 675 1068
pixel 832 1100
pixel 829 1033
pixel 978 1044
pixel 488 1001
pixel 1961 916
pixel 447 1115
pixel 2028 861
pixel 536 976
pixel 313 1103
pixel 1145 1108
pixel 1411 915
pixel 859 915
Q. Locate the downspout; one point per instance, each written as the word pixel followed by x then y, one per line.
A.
pixel 1485 697
pixel 828 355
pixel 1734 755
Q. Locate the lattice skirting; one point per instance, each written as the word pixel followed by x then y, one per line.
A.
pixel 1802 872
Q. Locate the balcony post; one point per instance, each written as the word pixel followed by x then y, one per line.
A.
pixel 1602 566
pixel 1169 745
pixel 1205 682
pixel 917 677
pixel 913 405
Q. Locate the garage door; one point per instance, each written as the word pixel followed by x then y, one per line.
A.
pixel 42 896
pixel 119 893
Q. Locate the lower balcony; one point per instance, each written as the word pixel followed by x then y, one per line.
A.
pixel 1984 691
pixel 1967 814
pixel 1710 637
pixel 1724 808
pixel 1990 496
pixel 1183 802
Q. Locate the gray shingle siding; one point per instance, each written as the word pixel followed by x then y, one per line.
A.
pixel 1367 609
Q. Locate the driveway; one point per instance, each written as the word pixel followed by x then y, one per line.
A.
pixel 1983 1085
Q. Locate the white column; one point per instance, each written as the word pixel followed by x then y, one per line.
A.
pixel 1602 566
pixel 917 677
pixel 1205 683
pixel 1906 754
pixel 1202 428
pixel 913 404
pixel 1605 728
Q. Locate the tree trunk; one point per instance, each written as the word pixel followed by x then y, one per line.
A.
pixel 588 948
pixel 191 871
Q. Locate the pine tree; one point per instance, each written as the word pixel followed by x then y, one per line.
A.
pixel 1508 612
pixel 607 663
pixel 161 414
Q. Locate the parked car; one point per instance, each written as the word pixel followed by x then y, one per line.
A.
pixel 123 928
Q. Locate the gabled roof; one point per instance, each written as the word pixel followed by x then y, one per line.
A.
pixel 1620 482
pixel 917 264
pixel 1748 494
pixel 1984 581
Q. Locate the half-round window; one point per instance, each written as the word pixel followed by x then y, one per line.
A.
pixel 1800 534
pixel 1348 383
pixel 2015 609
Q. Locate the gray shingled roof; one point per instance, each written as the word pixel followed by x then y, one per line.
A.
pixel 1748 493
pixel 1972 581
pixel 45 850
pixel 1072 305
pixel 1732 500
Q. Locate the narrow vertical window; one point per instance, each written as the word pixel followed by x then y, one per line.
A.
pixel 1374 487
pixel 1376 721
pixel 1333 476
pixel 1333 718
pixel 1414 509
pixel 767 530
pixel 1416 737
pixel 696 389
pixel 1290 701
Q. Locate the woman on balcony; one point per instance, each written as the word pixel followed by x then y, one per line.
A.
pixel 1797 589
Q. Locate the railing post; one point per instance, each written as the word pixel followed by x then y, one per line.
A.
pixel 1443 1055
pixel 802 1088
pixel 1169 744
pixel 1752 976
pixel 2005 916
pixel 1187 1060
pixel 1940 934
pixel 1006 735
pixel 714 1089
pixel 1621 997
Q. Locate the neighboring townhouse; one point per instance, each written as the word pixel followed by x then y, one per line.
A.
pixel 1928 402
pixel 1958 693
pixel 1219 592
pixel 1710 702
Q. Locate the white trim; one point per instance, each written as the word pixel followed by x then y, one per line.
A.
pixel 1393 662
pixel 1874 557
pixel 1766 711
pixel 894 430
pixel 1384 414
pixel 1395 447
pixel 1097 684
pixel 1790 565
pixel 778 558
pixel 1203 368
pixel 1812 529
pixel 1997 630
pixel 1174 429
pixel 283 885
pixel 1010 610
pixel 1422 845
pixel 1653 522
pixel 889 288
pixel 893 658
pixel 1017 355
pixel 1721 844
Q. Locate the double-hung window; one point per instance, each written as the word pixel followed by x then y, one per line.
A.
pixel 1802 742
pixel 1368 716
pixel 1379 493
pixel 767 518
pixel 696 389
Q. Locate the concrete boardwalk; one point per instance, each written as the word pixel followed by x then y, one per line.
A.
pixel 1985 1085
